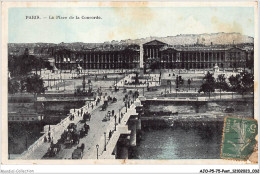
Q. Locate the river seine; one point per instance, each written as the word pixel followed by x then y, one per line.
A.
pixel 179 143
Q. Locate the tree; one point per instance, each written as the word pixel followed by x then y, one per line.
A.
pixel 246 83
pixel 242 83
pixel 34 84
pixel 13 86
pixel 208 85
pixel 234 82
pixel 221 83
pixel 22 64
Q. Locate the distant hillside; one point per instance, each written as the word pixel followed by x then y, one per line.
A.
pixel 182 39
pixel 189 39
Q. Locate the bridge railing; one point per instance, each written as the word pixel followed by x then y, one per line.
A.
pixel 122 128
pixel 57 130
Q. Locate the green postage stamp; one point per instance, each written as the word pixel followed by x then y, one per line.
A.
pixel 238 139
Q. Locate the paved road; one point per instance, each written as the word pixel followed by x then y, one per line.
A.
pixel 97 129
pixel 40 148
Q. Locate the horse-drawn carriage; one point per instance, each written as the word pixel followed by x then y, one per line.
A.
pixel 114 100
pixel 53 150
pixel 70 136
pixel 71 127
pixel 86 126
pixel 86 116
pixel 104 106
pixel 84 131
pixel 78 153
pixel 107 116
pixel 109 98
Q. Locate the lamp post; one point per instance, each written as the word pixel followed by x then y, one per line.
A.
pixel 115 122
pixel 97 146
pixel 105 148
pixel 119 116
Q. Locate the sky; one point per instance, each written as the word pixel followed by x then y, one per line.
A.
pixel 119 23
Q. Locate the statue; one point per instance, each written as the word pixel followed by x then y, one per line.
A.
pixel 216 68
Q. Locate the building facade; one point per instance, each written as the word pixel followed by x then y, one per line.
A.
pixel 22 108
pixel 127 58
pixel 156 55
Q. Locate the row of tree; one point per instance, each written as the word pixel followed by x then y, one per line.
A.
pixel 32 84
pixel 240 83
pixel 23 64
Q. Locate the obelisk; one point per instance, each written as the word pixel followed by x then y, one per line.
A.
pixel 141 60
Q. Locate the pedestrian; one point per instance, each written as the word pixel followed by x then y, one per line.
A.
pixel 78 112
pixel 113 112
pixel 45 139
pixel 92 106
pixel 110 134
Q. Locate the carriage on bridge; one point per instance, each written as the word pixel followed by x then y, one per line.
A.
pixel 86 116
pixel 114 100
pixel 84 130
pixel 70 136
pixel 78 153
pixel 53 150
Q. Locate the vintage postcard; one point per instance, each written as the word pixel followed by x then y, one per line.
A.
pixel 129 82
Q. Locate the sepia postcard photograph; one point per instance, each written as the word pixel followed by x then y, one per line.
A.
pixel 129 83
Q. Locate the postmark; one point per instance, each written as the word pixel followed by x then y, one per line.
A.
pixel 238 139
